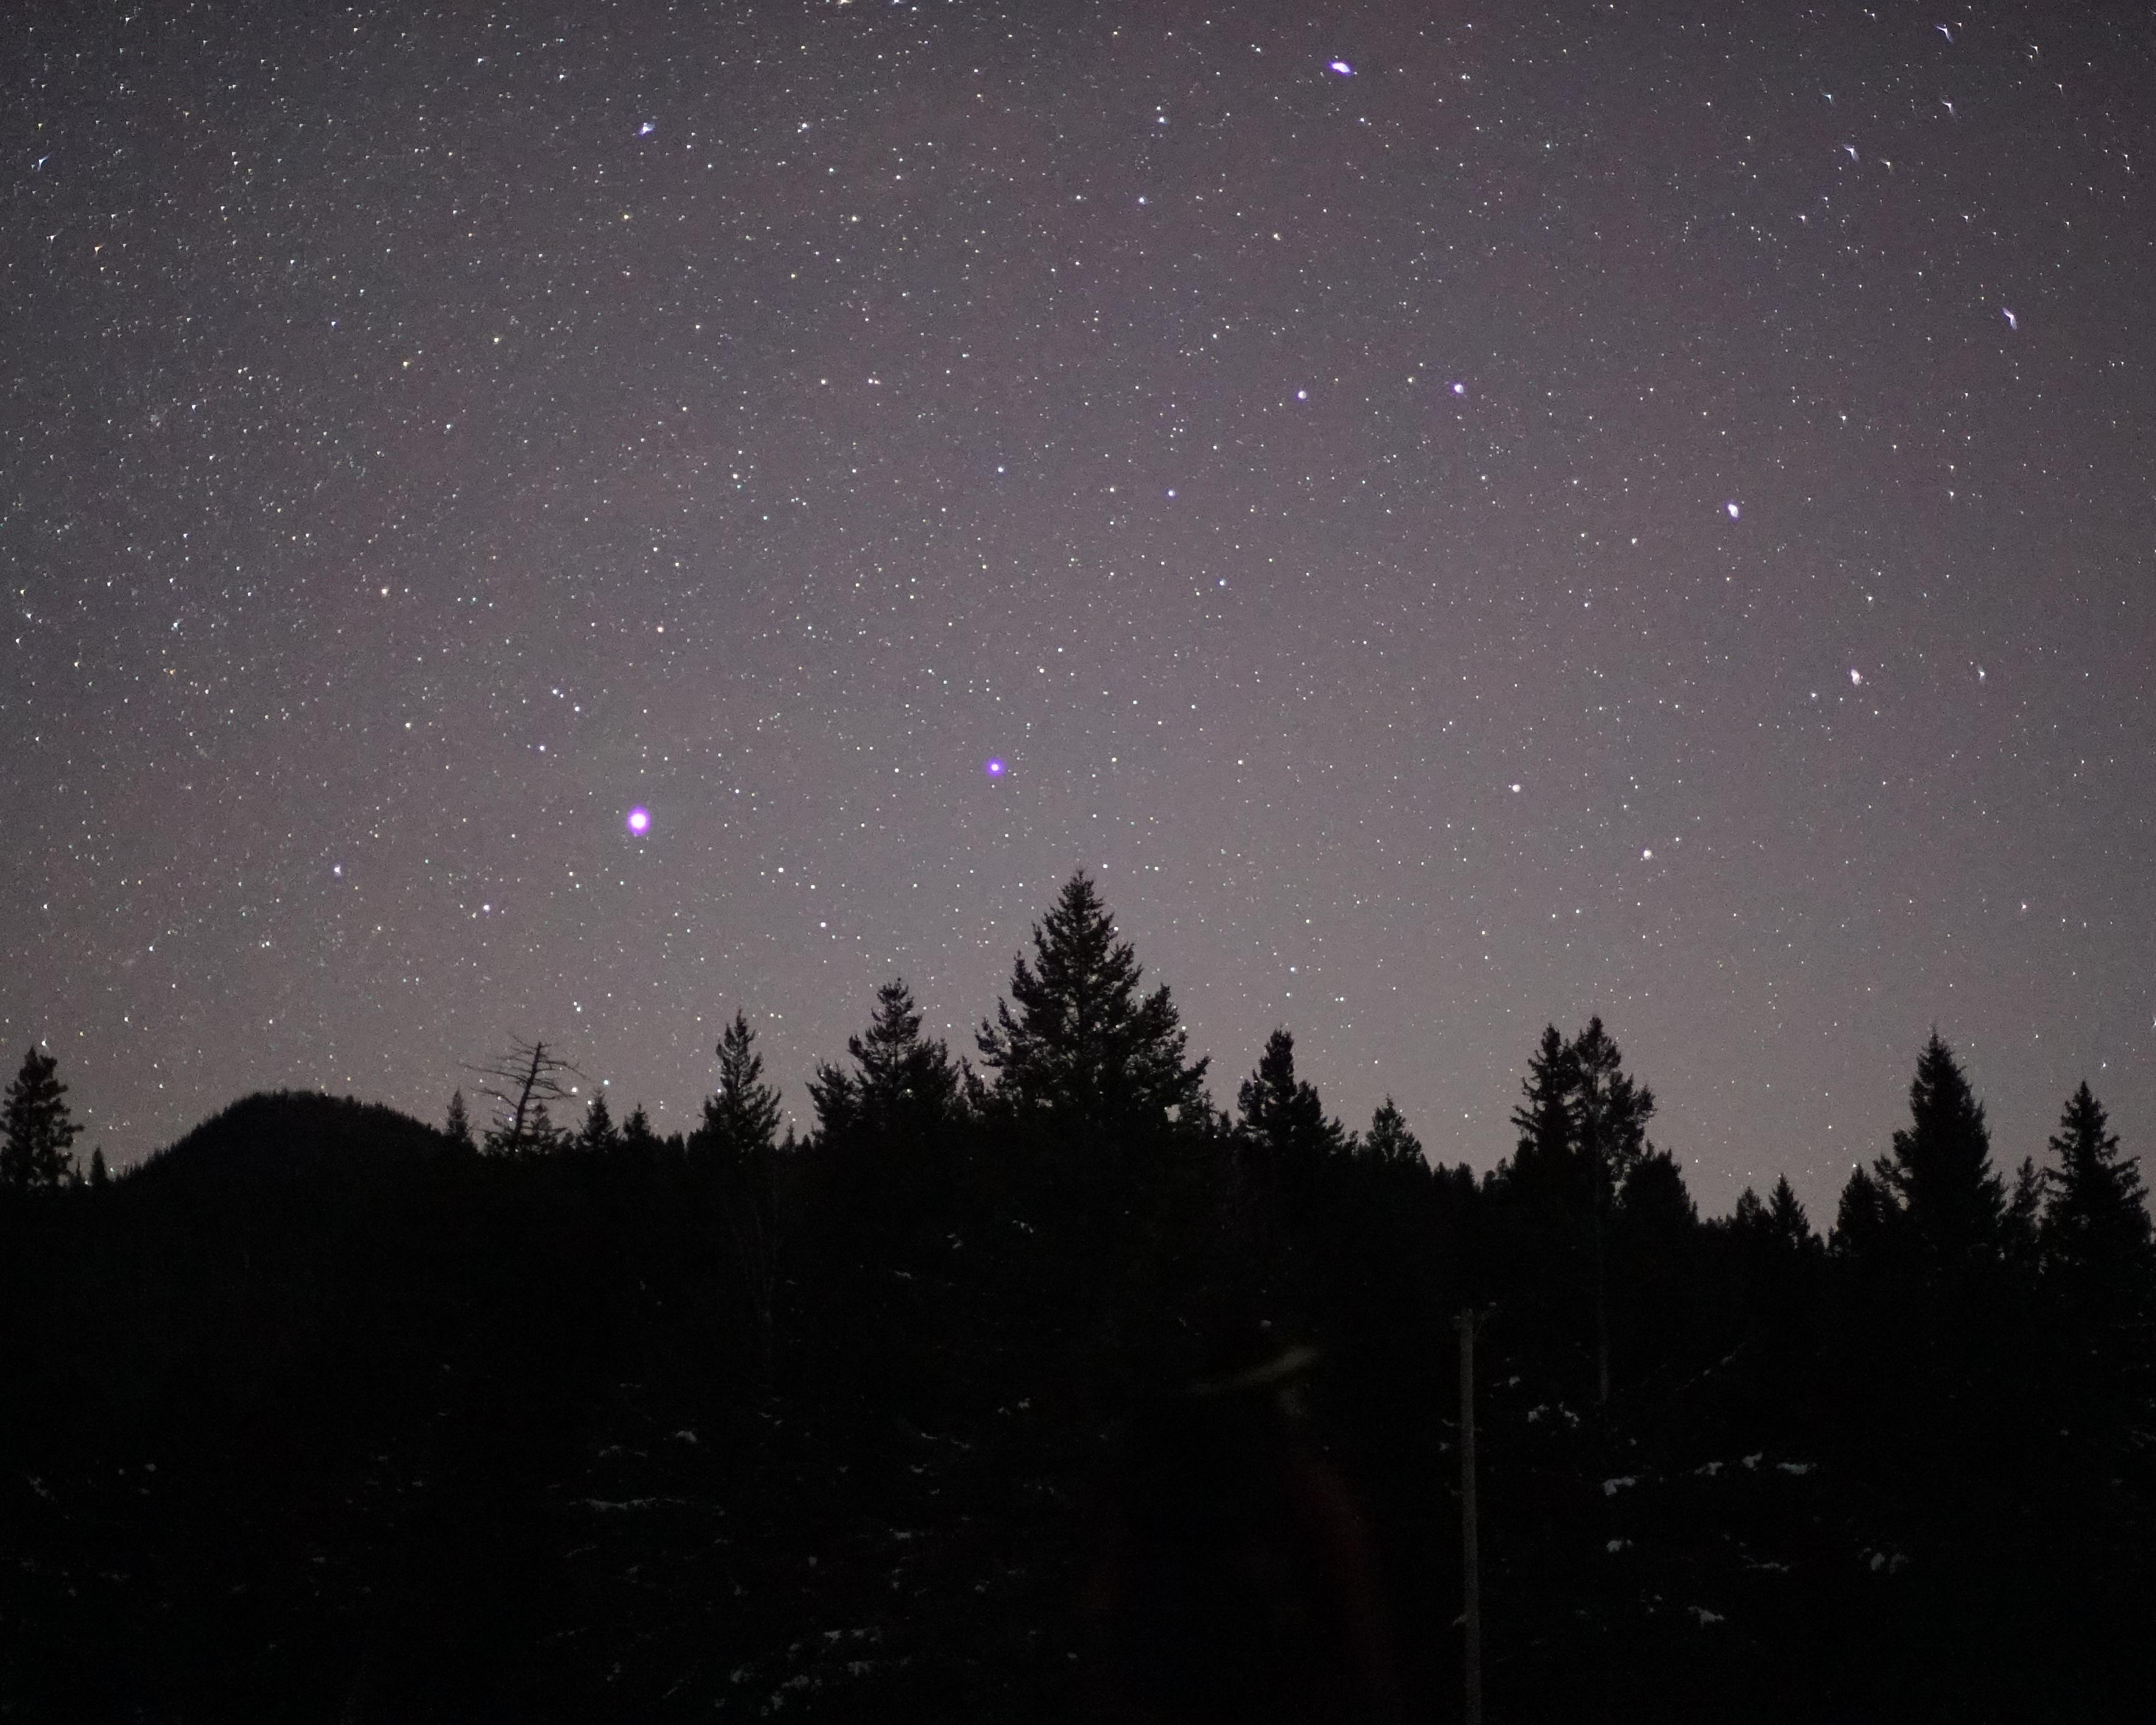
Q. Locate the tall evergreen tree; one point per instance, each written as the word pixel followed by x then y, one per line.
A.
pixel 1582 1123
pixel 1786 1223
pixel 598 1136
pixel 903 1084
pixel 1611 1111
pixel 1389 1143
pixel 98 1179
pixel 1543 1154
pixel 637 1137
pixel 457 1127
pixel 1944 1200
pixel 1860 1220
pixel 741 1115
pixel 1282 1115
pixel 2096 1227
pixel 36 1128
pixel 1074 1042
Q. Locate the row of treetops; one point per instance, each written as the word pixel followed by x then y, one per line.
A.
pixel 1077 1047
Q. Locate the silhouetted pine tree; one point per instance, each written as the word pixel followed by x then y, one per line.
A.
pixel 2097 1215
pixel 2096 1235
pixel 1281 1116
pixel 637 1137
pixel 2021 1224
pixel 1389 1143
pixel 741 1115
pixel 1545 1155
pixel 36 1128
pixel 598 1136
pixel 903 1086
pixel 1944 1204
pixel 1074 1042
pixel 1860 1220
pixel 737 1145
pixel 457 1127
pixel 1788 1226
pixel 98 1179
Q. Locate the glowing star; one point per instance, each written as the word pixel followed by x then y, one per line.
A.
pixel 994 766
pixel 639 820
pixel 2012 321
pixel 1460 389
pixel 646 130
pixel 1856 678
pixel 1342 68
pixel 1734 511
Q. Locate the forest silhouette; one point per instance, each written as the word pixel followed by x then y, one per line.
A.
pixel 1034 1385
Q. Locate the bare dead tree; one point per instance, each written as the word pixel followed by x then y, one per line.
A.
pixel 522 1083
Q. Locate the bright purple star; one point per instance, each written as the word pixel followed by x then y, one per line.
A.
pixel 994 766
pixel 1342 68
pixel 1460 389
pixel 639 820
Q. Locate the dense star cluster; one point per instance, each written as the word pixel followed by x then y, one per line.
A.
pixel 570 527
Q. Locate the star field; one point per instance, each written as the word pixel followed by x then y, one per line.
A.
pixel 1626 509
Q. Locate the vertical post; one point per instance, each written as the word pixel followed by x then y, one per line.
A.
pixel 1469 1556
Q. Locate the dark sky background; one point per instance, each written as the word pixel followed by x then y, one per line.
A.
pixel 1555 518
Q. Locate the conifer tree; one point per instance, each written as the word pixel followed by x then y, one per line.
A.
pixel 1583 1131
pixel 598 1136
pixel 1075 1041
pixel 1543 1154
pixel 98 1179
pixel 1389 1143
pixel 1859 1218
pixel 1786 1223
pixel 1610 1110
pixel 36 1128
pixel 736 1143
pixel 2096 1235
pixel 902 1084
pixel 457 1127
pixel 637 1137
pixel 1941 1196
pixel 741 1115
pixel 1282 1115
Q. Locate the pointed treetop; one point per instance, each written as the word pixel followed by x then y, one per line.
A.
pixel 1074 1040
pixel 902 1083
pixel 2096 1222
pixel 1389 1141
pixel 741 1117
pixel 36 1128
pixel 1939 1178
pixel 1282 1113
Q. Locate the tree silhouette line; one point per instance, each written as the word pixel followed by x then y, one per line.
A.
pixel 1034 1382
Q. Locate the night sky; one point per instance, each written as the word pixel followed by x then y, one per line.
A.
pixel 1627 509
